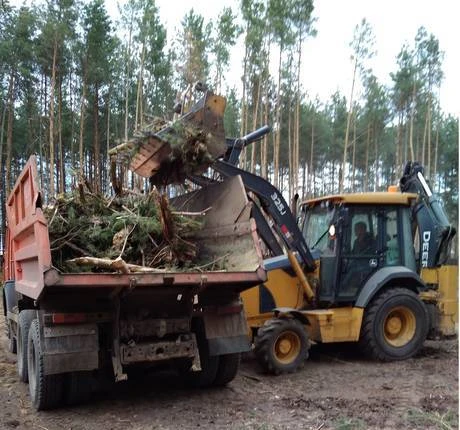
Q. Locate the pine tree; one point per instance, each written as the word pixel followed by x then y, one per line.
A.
pixel 99 46
pixel 362 45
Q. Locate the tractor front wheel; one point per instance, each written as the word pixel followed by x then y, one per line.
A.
pixel 281 345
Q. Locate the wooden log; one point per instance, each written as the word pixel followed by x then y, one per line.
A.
pixel 118 265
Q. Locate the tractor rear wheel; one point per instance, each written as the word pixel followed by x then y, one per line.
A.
pixel 395 325
pixel 281 345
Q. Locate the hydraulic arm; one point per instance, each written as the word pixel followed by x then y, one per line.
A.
pixel 435 231
pixel 271 201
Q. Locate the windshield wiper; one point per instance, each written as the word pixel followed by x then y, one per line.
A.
pixel 320 238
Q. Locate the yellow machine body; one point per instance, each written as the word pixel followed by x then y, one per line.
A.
pixel 341 324
pixel 285 290
pixel 444 295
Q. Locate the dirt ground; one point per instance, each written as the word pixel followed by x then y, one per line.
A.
pixel 337 389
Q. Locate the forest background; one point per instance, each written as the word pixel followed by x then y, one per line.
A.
pixel 75 82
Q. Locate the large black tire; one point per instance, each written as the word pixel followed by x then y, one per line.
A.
pixel 46 391
pixel 281 345
pixel 25 319
pixel 78 387
pixel 227 370
pixel 395 325
pixel 209 364
pixel 12 343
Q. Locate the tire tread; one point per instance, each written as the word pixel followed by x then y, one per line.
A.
pixel 368 341
pixel 25 319
pixel 49 388
pixel 228 369
pixel 263 343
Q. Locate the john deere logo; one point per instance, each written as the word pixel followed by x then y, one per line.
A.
pixel 425 247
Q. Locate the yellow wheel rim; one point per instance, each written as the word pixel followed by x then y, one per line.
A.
pixel 287 347
pixel 399 326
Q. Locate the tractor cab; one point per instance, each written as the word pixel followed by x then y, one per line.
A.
pixel 355 236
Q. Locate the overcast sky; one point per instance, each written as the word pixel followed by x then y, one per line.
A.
pixel 326 61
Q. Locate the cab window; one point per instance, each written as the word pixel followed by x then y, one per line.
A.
pixel 315 230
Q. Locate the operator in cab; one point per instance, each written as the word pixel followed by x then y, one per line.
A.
pixel 364 241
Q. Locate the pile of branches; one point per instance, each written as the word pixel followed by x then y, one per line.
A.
pixel 135 233
pixel 187 153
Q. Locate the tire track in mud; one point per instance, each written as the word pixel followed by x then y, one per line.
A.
pixel 333 387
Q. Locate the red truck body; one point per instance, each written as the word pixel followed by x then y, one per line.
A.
pixel 88 322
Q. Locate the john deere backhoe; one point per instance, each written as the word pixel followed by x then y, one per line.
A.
pixel 389 295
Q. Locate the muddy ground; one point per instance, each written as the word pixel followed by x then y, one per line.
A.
pixel 337 389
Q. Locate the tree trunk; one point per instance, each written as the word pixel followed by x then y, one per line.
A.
pixel 107 169
pixel 72 131
pixel 376 150
pixel 347 130
pixel 128 64
pixel 2 173
pixel 96 142
pixel 264 146
pixel 276 146
pixel 243 98
pixel 411 126
pixel 2 131
pixel 139 113
pixel 311 170
pixel 291 172
pixel 399 147
pixel 51 127
pixel 435 166
pixel 297 115
pixel 82 129
pixel 428 167
pixel 61 149
pixel 9 134
pixel 353 168
pixel 425 128
pixel 366 172
pixel 254 125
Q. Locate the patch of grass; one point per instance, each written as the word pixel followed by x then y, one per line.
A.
pixel 442 421
pixel 347 423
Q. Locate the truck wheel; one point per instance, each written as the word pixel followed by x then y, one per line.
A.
pixel 209 364
pixel 25 318
pixel 45 390
pixel 12 343
pixel 78 387
pixel 227 370
pixel 281 345
pixel 395 325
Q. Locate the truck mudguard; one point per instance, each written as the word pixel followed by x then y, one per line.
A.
pixel 392 275
pixel 9 296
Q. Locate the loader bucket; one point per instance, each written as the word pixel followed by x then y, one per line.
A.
pixel 188 146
